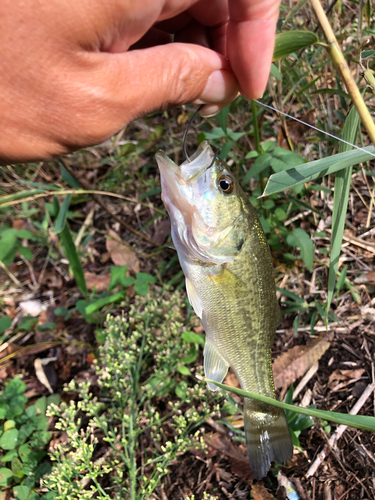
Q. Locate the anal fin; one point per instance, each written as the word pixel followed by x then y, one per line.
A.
pixel 193 297
pixel 215 367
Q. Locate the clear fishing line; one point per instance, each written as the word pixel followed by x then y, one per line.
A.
pixel 315 128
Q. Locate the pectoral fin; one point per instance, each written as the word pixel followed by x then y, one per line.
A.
pixel 194 299
pixel 215 367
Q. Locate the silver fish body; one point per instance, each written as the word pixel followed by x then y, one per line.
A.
pixel 230 284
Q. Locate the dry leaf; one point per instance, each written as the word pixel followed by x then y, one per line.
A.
pixel 162 230
pixel 339 375
pixel 232 380
pixel 368 313
pixel 292 364
pixel 98 281
pixel 261 493
pixel 366 279
pixel 236 454
pixel 296 130
pixel 41 376
pixel 120 254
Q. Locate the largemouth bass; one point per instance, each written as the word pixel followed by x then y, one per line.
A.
pixel 230 284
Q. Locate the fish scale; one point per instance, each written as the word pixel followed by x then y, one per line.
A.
pixel 230 283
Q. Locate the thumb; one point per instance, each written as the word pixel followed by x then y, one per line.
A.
pixel 142 81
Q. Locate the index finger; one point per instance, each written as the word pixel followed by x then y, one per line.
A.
pixel 250 42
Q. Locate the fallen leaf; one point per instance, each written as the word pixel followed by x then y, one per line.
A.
pixel 41 376
pixel 232 380
pixel 236 454
pixel 98 281
pixel 120 254
pixel 339 375
pixel 292 364
pixel 368 313
pixel 261 493
pixel 296 130
pixel 366 279
pixel 161 231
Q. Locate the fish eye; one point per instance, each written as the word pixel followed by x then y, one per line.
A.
pixel 226 184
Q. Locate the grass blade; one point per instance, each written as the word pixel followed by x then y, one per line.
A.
pixel 358 421
pixel 314 169
pixel 61 218
pixel 340 202
pixel 72 256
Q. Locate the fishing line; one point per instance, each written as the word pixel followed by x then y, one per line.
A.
pixel 315 128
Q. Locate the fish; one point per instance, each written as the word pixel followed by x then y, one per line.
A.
pixel 230 284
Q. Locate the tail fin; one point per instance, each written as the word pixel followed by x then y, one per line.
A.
pixel 267 436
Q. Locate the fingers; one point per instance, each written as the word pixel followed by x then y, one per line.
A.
pixel 250 42
pixel 141 81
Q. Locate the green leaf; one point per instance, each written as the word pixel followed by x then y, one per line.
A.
pixel 342 278
pixel 40 439
pixel 9 439
pixel 5 476
pixel 331 92
pixel 117 274
pixel 25 431
pixel 309 171
pixel 292 41
pixel 299 238
pixel 261 163
pixel 8 241
pixel 8 457
pixel 43 469
pixel 5 322
pixel 21 492
pixel 190 356
pixel 17 467
pixel 15 387
pixel 105 301
pixel 193 338
pixel 41 405
pixel 25 252
pixel 340 201
pixel 61 218
pixel 141 287
pixel 222 117
pixel 181 389
pixel 72 256
pixel 183 370
pixel 145 278
pixel 358 421
pixel 275 72
pixel 68 178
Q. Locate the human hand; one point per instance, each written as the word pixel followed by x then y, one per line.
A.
pixel 73 73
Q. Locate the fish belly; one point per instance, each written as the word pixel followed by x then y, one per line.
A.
pixel 239 312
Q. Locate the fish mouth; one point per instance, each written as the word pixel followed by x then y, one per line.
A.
pixel 189 170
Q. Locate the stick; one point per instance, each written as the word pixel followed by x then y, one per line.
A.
pixel 344 69
pixel 340 430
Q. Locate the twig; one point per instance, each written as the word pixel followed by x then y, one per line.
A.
pixel 10 274
pixel 339 432
pixel 344 69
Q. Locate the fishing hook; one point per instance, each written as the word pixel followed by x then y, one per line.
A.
pixel 185 137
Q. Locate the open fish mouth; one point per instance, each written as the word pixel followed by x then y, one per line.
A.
pixel 189 170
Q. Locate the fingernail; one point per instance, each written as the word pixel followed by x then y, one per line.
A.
pixel 220 87
pixel 210 110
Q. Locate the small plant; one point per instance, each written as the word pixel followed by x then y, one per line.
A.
pixel 23 437
pixel 121 442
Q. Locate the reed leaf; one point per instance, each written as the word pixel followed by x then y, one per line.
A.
pixel 306 172
pixel 340 201
pixel 358 421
